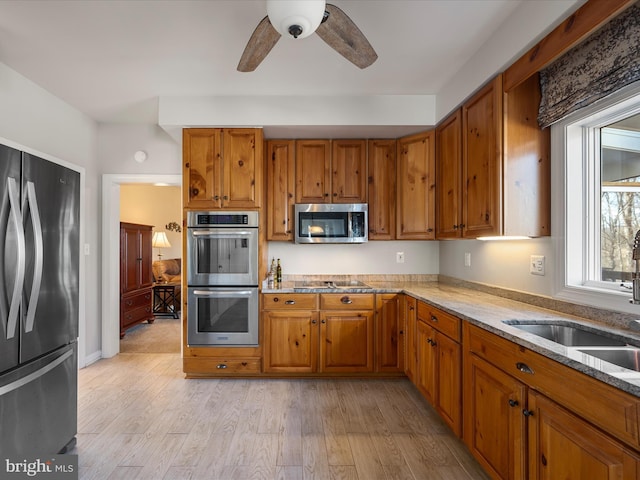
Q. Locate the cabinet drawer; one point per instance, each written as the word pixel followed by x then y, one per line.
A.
pixel 233 366
pixel 441 321
pixel 290 301
pixel 138 299
pixel 346 301
pixel 134 315
pixel 613 410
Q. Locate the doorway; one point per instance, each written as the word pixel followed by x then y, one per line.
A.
pixel 111 184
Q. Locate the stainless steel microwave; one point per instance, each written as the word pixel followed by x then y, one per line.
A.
pixel 331 223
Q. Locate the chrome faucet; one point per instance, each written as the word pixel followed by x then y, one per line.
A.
pixel 636 273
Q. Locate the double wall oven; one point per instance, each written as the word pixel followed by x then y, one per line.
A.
pixel 222 278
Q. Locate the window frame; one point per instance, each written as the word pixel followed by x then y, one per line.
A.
pixel 575 199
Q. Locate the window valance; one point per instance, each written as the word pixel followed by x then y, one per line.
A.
pixel 606 61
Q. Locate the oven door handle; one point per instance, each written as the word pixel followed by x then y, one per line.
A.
pixel 217 234
pixel 223 293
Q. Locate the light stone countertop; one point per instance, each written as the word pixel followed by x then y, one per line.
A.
pixel 488 310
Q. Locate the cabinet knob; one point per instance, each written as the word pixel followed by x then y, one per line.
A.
pixel 216 197
pixel 527 413
pixel 313 322
pixel 346 300
pixel 434 318
pixel 221 366
pixel 290 302
pixel 323 321
pixel 513 403
pixel 226 197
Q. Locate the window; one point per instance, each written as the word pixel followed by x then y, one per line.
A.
pixel 599 208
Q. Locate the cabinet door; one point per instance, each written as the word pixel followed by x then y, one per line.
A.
pixel 146 254
pixel 426 371
pixel 280 189
pixel 291 341
pixel 410 313
pixel 349 171
pixel 242 168
pixel 389 334
pixel 494 426
pixel 562 445
pixel 382 189
pixel 346 341
pixel 313 180
pixel 449 382
pixel 449 177
pixel 482 161
pixel 201 152
pixel 416 187
pixel 135 257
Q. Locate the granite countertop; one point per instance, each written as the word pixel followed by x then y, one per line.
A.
pixel 489 311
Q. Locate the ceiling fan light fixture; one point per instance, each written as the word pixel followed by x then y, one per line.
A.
pixel 298 18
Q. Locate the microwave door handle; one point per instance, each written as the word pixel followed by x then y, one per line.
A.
pixel 222 293
pixel 38 248
pixel 15 219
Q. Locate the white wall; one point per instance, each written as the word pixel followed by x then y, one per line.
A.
pixel 377 257
pixel 530 22
pixel 118 142
pixel 34 119
pixel 500 263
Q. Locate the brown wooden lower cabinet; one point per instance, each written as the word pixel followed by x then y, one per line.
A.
pixel 326 333
pixel 543 420
pixel 439 367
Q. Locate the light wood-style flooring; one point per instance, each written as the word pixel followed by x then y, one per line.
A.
pixel 139 418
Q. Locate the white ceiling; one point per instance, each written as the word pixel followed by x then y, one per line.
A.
pixel 113 59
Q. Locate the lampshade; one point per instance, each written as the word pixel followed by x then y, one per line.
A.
pixel 298 18
pixel 160 240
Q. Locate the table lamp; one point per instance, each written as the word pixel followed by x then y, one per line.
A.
pixel 160 241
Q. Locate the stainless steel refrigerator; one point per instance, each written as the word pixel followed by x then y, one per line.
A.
pixel 39 268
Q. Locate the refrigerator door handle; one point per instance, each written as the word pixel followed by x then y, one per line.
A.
pixel 35 375
pixel 38 247
pixel 15 220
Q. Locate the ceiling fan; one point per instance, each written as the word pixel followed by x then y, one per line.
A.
pixel 300 18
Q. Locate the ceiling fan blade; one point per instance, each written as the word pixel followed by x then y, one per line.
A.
pixel 262 40
pixel 341 34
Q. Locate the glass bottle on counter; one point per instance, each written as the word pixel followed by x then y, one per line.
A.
pixel 271 276
pixel 278 273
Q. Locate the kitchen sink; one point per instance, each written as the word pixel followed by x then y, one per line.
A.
pixel 567 335
pixel 623 357
pixel 330 284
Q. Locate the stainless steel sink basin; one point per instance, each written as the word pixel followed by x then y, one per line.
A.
pixel 623 357
pixel 568 335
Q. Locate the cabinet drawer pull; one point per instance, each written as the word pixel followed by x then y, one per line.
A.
pixel 513 403
pixel 527 413
pixel 313 322
pixel 346 300
pixel 323 321
pixel 434 318
pixel 524 368
pixel 290 302
pixel 221 366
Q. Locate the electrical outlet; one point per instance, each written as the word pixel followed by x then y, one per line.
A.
pixel 536 265
pixel 467 259
pixel 399 257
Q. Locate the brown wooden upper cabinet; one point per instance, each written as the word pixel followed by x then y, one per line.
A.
pixel 280 189
pixel 493 165
pixel 416 187
pixel 331 171
pixel 222 167
pixel 382 189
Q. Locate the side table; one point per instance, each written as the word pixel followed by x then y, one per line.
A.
pixel 165 302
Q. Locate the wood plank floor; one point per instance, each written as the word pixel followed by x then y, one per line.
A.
pixel 139 418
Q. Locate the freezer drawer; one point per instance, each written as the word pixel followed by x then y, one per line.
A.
pixel 38 405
